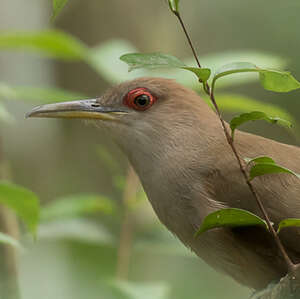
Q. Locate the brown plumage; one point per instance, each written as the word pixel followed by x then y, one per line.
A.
pixel 177 146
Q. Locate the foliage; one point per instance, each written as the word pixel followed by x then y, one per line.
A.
pixel 230 218
pixel 256 115
pixel 64 212
pixel 23 202
pixel 266 165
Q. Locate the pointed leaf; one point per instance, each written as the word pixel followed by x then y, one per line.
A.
pixel 6 239
pixel 151 60
pixel 77 205
pixel 263 159
pixel 203 74
pixel 278 81
pixel 235 67
pixel 270 79
pixel 174 5
pixel 23 202
pixel 52 43
pixel 58 5
pixel 269 168
pixel 159 60
pixel 289 222
pixel 256 115
pixel 230 218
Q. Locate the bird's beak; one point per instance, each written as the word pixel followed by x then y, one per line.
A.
pixel 88 109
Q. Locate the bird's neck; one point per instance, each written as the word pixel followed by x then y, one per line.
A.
pixel 169 160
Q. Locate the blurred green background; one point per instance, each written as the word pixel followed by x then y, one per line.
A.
pixel 80 176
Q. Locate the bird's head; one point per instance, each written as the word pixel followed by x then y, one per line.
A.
pixel 139 114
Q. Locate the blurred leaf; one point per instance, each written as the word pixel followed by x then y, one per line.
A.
pixel 240 103
pixel 52 43
pixel 151 60
pixel 289 222
pixel 278 81
pixel 132 290
pixel 76 205
pixel 5 116
pixel 266 165
pixel 37 94
pixel 256 115
pixel 58 5
pixel 270 79
pixel 105 60
pixel 107 157
pixel 78 229
pixel 23 202
pixel 6 239
pixel 230 218
pixel 174 5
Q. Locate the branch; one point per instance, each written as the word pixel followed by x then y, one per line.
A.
pixel 210 91
pixel 287 288
pixel 124 251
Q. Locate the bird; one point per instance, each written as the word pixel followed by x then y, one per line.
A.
pixel 176 144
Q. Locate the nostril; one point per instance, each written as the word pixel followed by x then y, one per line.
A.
pixel 95 105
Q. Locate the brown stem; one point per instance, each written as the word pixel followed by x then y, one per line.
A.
pixel 291 266
pixel 126 233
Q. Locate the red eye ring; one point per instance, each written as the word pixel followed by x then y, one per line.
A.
pixel 139 99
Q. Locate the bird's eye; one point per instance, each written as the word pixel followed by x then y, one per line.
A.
pixel 139 99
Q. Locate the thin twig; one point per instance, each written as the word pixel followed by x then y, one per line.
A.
pixel 126 234
pixel 291 266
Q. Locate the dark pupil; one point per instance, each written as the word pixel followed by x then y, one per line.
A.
pixel 142 100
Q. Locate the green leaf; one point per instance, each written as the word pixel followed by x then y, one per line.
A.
pixel 268 168
pixel 105 60
pixel 77 205
pixel 288 223
pixel 203 74
pixel 262 159
pixel 58 5
pixel 6 239
pixel 230 218
pixel 79 229
pixel 278 81
pixel 142 290
pixel 52 43
pixel 37 94
pixel 174 5
pixel 266 165
pixel 270 79
pixel 23 202
pixel 159 60
pixel 151 60
pixel 256 115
